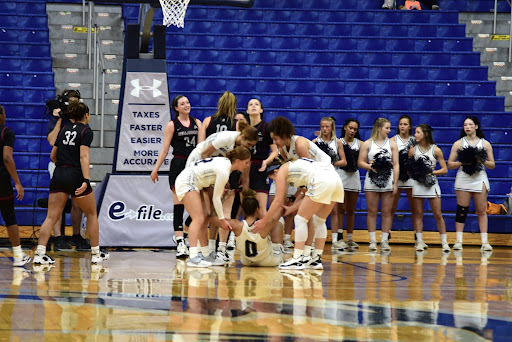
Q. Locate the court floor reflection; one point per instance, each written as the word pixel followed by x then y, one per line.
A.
pixel 145 295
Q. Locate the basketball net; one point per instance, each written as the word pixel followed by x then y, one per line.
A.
pixel 174 12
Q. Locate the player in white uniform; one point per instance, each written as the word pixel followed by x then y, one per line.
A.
pixel 203 174
pixel 404 140
pixel 476 185
pixel 335 150
pixel 256 249
pixel 379 143
pixel 323 189
pixel 292 147
pixel 426 148
pixel 218 144
pixel 351 180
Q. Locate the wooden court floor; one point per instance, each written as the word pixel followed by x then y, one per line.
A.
pixel 149 295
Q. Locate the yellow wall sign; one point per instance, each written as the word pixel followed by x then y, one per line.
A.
pixel 500 37
pixel 79 29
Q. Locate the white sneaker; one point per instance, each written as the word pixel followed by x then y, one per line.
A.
pixel 288 244
pixel 384 245
pixel 293 264
pixel 21 260
pixel 215 259
pixel 340 244
pixel 425 246
pixel 315 263
pixel 43 260
pixel 231 242
pixel 198 261
pixel 486 246
pixel 445 247
pixel 181 250
pixel 418 246
pixel 352 244
pixel 372 246
pixel 457 245
pixel 99 257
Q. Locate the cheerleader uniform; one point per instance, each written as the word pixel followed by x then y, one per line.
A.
pixel 257 251
pixel 183 142
pixel 222 141
pixel 418 189
pixel 404 146
pixel 351 180
pixel 321 180
pixel 473 183
pixel 372 151
pixel 315 153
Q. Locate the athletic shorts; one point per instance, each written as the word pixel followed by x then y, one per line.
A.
pixel 68 179
pixel 177 165
pixel 6 190
pixel 258 181
pixel 7 198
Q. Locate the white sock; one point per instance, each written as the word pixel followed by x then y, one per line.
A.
pixel 459 236
pixel 350 236
pixel 212 244
pixel 205 251
pixel 95 250
pixel 194 251
pixel 384 237
pixel 419 237
pixel 319 252
pixel 483 236
pixel 41 250
pixel 372 237
pixel 222 247
pixel 334 237
pixel 307 250
pixel 16 250
pixel 297 253
pixel 443 238
pixel 287 237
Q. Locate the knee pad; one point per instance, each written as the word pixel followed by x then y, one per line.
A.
pixel 320 227
pixel 178 217
pixel 188 221
pixel 462 213
pixel 301 228
pixel 281 220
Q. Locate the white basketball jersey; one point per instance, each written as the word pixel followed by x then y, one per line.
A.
pixel 315 153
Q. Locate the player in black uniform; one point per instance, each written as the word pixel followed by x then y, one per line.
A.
pixel 183 134
pixel 258 180
pixel 8 171
pixel 71 177
pixel 223 120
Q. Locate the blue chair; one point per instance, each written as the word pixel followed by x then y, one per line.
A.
pixel 300 71
pixel 284 56
pixel 441 73
pixel 419 88
pixel 8 7
pixel 200 26
pixel 286 43
pixel 226 42
pixel 267 70
pixel 320 58
pixel 257 56
pixel 335 16
pixel 242 85
pixel 36 64
pixel 38 80
pixel 435 59
pixel 200 41
pixel 35 50
pixel 238 70
pixel 228 27
pixel 312 43
pixel 431 44
pixel 450 88
pixel 361 30
pixel 377 58
pixel 349 72
pixel 394 45
pixel 461 44
pixel 469 74
pixel 35 36
pixel 345 43
pixel 338 29
pixel 372 44
pixel 270 86
pixel 309 29
pixel 359 87
pixel 366 102
pixel 491 103
pixel 205 55
pixel 382 73
pixel 207 69
pixel 336 102
pixel 404 58
pixel 480 89
pixel 457 103
pixel 388 87
pixel 330 86
pixel 10 79
pixel 416 31
pixel 426 103
pixel 179 68
pixel 355 57
pixel 257 42
pixel 302 86
pixel 182 84
pixel 178 55
pixel 396 103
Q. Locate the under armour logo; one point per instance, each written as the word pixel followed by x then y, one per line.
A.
pixel 137 88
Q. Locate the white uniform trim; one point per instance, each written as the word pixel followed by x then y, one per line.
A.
pixel 420 190
pixel 222 141
pixel 373 149
pixel 255 250
pixel 351 180
pixel 315 153
pixel 473 183
pixel 404 145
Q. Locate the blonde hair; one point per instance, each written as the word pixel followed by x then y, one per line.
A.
pixel 240 153
pixel 226 107
pixel 333 126
pixel 379 122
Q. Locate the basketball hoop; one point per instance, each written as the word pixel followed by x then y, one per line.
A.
pixel 174 12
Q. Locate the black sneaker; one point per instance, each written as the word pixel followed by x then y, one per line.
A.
pixel 79 242
pixel 59 243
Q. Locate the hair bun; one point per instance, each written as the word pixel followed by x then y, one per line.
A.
pixel 249 193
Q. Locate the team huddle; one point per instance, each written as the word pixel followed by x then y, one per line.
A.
pixel 222 166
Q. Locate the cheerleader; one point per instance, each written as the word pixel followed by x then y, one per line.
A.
pixel 71 177
pixel 379 155
pixel 471 179
pixel 330 144
pixel 404 139
pixel 351 180
pixel 323 189
pixel 428 153
pixel 200 175
pixel 183 143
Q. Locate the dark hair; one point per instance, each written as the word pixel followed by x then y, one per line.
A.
pixel 427 132
pixel 349 120
pixel 2 110
pixel 71 93
pixel 262 109
pixel 282 127
pixel 250 133
pixel 250 204
pixel 77 110
pixel 479 132
pixel 405 116
pixel 273 165
pixel 240 153
pixel 174 104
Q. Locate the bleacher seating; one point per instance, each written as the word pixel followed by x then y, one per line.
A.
pixel 26 83
pixel 346 59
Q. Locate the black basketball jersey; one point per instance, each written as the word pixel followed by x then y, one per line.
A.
pixel 7 138
pixel 260 150
pixel 68 143
pixel 219 124
pixel 184 139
